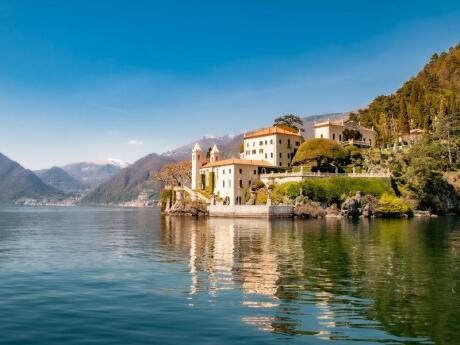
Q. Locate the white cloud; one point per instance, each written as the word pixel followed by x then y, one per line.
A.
pixel 135 142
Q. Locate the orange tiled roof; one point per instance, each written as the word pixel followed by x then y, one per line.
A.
pixel 270 130
pixel 238 161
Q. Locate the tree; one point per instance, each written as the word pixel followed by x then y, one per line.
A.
pixel 175 174
pixel 403 119
pixel 291 121
pixel 323 152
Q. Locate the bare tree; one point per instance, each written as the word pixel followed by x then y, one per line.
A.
pixel 175 174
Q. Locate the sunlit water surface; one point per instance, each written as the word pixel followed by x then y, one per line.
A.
pixel 131 276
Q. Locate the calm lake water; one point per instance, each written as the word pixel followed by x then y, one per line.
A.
pixel 131 276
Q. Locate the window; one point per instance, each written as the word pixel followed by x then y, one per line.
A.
pixel 261 143
pixel 241 171
pixel 241 183
pixel 340 137
pixel 281 155
pixel 370 141
pixel 265 142
pixel 249 183
pixel 229 171
pixel 253 152
pixel 223 172
pixel 261 150
pixel 297 143
pixel 271 141
pixel 248 152
pixel 333 136
pixel 281 164
pixel 289 164
pixel 288 155
pixel 247 144
pixel 254 143
pixel 321 135
pixel 265 156
pixel 289 142
pixel 271 155
pixel 280 141
pixel 255 172
pixel 223 183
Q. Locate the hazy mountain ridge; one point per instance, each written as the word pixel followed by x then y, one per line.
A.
pixel 92 174
pixel 17 183
pixel 58 178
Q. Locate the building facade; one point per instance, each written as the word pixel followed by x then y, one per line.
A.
pixel 268 149
pixel 275 145
pixel 345 133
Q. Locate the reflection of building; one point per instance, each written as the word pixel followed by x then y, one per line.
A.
pixel 346 133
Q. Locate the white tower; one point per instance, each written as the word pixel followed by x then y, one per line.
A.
pixel 197 161
pixel 215 154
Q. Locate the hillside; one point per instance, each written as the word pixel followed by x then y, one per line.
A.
pixel 128 182
pixel 58 178
pixel 422 102
pixel 19 183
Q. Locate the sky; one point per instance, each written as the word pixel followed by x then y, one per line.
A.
pixel 87 80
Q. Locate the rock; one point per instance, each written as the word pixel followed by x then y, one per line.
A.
pixel 309 209
pixel 420 213
pixel 351 207
pixel 333 212
pixel 187 207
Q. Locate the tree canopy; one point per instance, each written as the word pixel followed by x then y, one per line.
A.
pixel 323 152
pixel 175 174
pixel 289 120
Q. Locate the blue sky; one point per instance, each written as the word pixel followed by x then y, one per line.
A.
pixel 87 80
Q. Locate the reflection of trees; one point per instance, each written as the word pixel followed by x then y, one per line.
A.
pixel 397 272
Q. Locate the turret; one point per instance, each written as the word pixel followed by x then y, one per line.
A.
pixel 197 162
pixel 215 154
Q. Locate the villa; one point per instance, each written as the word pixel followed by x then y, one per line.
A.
pixel 346 133
pixel 266 150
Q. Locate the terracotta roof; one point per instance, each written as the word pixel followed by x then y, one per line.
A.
pixel 238 161
pixel 270 130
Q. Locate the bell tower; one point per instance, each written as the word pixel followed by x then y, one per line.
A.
pixel 215 154
pixel 197 162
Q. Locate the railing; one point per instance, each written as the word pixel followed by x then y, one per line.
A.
pixel 322 174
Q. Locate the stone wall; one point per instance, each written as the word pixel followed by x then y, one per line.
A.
pixel 251 211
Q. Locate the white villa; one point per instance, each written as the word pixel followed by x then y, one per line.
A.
pixel 346 133
pixel 265 150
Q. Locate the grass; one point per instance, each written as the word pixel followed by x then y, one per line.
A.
pixel 333 189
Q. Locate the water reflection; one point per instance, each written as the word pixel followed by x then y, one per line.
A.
pixel 381 280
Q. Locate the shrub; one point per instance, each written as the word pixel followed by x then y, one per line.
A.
pixel 322 151
pixel 391 205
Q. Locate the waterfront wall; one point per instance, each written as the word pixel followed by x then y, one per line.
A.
pixel 251 211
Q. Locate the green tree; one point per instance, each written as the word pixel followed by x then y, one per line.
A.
pixel 323 152
pixel 289 120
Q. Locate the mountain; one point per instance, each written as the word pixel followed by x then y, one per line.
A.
pixel 421 102
pixel 184 152
pixel 129 182
pixel 17 183
pixel 60 179
pixel 92 174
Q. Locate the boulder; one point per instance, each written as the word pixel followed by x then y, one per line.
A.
pixel 309 209
pixel 333 212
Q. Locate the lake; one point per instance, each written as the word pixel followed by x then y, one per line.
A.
pixel 132 276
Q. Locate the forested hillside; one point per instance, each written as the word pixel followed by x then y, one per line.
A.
pixel 427 101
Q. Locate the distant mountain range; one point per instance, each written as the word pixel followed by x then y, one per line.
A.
pixel 92 174
pixel 18 183
pixel 129 182
pixel 58 178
